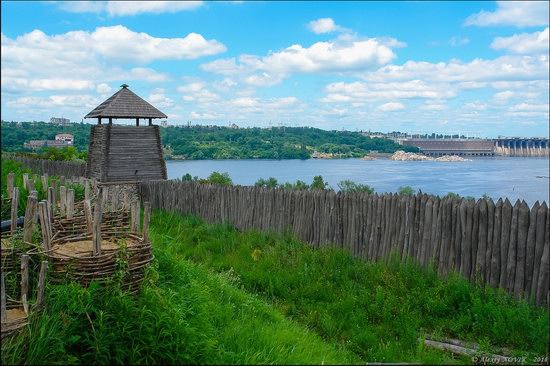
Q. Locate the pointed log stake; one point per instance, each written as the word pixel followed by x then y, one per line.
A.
pixel 51 196
pixel 25 281
pixel 29 218
pixel 14 209
pixel 3 297
pixel 10 185
pixel 41 284
pixel 45 182
pixel 62 180
pixel 62 200
pixel 70 203
pixel 86 189
pixel 35 195
pixel 96 234
pixel 26 181
pixel 146 218
pixel 88 215
pixel 136 211
pixel 42 212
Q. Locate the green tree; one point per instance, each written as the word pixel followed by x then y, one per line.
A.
pixel 318 183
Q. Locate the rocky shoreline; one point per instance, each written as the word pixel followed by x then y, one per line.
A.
pixel 405 156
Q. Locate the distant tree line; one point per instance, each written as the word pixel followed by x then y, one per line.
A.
pixel 212 142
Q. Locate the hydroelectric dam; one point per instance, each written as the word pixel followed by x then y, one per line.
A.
pixel 513 146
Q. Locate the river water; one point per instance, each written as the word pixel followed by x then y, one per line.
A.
pixel 511 177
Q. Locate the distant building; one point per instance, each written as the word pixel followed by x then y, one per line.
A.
pixel 60 121
pixel 61 140
pixel 66 137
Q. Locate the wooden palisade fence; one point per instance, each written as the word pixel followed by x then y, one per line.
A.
pixel 499 244
pixel 41 166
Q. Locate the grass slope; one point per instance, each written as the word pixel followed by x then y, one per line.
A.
pixel 376 310
pixel 184 315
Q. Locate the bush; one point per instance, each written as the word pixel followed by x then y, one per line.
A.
pixel 267 183
pixel 220 178
pixel 406 190
pixel 350 186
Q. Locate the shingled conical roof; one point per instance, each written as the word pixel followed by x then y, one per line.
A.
pixel 125 104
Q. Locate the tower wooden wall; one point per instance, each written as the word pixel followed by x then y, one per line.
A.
pixel 125 154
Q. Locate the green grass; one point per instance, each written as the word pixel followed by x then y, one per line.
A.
pixel 184 314
pixel 376 310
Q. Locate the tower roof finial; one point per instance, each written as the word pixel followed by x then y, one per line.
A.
pixel 124 85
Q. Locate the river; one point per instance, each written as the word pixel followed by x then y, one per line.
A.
pixel 511 177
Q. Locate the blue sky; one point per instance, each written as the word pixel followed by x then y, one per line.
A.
pixel 477 67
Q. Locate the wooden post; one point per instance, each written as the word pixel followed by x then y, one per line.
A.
pixel 137 121
pixel 110 121
pixel 146 218
pixel 26 181
pixel 62 180
pixel 29 217
pixel 3 297
pixel 14 209
pixel 45 182
pixel 150 121
pixel 62 200
pixel 25 281
pixel 99 120
pixel 86 189
pixel 51 197
pixel 88 215
pixel 41 284
pixel 70 203
pixel 136 217
pixel 44 225
pixel 10 185
pixel 30 185
pixel 96 234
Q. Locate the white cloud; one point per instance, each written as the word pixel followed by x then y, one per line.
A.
pixel 119 42
pixel 197 92
pixel 323 25
pixel 126 8
pixel 34 61
pixel 475 106
pixel 330 56
pixel 436 105
pixel 159 99
pixel 458 41
pixel 103 88
pixel 391 107
pixel 530 107
pixel 55 101
pixel 503 96
pixel 515 13
pixel 359 91
pixel 524 43
pixel 504 68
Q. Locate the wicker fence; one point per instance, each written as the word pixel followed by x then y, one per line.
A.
pixel 62 168
pixel 500 244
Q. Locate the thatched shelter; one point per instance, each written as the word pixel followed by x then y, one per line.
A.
pixel 119 153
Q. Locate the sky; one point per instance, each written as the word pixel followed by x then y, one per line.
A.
pixel 470 67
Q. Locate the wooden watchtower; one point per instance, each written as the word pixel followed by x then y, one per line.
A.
pixel 122 153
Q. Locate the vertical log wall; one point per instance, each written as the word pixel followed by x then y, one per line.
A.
pixel 504 245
